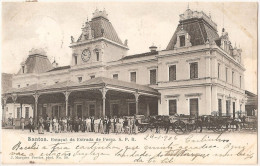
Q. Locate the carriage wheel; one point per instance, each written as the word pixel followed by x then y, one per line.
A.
pixel 142 129
pixel 190 127
pixel 179 127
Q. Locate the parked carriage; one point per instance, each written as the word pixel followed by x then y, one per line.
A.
pixel 249 122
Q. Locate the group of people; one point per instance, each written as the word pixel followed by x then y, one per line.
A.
pixel 101 125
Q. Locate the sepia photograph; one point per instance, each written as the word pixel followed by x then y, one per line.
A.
pixel 120 82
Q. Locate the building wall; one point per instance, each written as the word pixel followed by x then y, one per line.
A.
pixel 11 110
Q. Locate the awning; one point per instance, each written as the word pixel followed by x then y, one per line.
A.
pixel 95 83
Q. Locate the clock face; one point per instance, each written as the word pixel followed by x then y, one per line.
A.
pixel 86 54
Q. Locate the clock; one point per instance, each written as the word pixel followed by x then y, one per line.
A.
pixel 86 54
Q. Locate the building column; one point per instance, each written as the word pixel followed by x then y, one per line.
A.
pixel 4 109
pixel 67 93
pixel 14 97
pixel 136 102
pixel 104 91
pixel 148 109
pixel 21 109
pixel 35 116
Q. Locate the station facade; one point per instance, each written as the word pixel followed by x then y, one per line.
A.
pixel 199 73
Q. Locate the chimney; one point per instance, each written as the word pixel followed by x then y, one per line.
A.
pixel 153 48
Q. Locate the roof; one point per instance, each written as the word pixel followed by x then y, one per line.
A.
pixel 36 63
pixel 95 82
pixel 102 27
pixel 6 82
pixel 248 93
pixel 199 31
pixel 140 55
pixel 59 68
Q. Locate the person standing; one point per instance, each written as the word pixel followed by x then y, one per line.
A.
pixel 108 125
pixel 105 124
pixel 31 124
pixel 96 123
pixel 88 124
pixel 92 123
pixel 22 123
pixel 51 124
pixel 121 124
pixel 101 125
pixel 40 126
pixel 136 123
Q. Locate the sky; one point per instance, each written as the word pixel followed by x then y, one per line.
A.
pixel 50 25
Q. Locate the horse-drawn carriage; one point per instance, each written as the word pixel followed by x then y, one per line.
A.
pixel 249 122
pixel 181 124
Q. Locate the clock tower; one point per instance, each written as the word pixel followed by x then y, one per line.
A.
pixel 98 43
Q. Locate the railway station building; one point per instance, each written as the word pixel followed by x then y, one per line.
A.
pixel 199 73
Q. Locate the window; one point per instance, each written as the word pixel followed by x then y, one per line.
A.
pixel 93 76
pixel 182 41
pixel 115 76
pixel 133 76
pixel 219 107
pixel 227 107
pixel 226 74
pixel 240 81
pixel 233 73
pixel 153 76
pixel 18 86
pixel 18 112
pixel 193 70
pixel 76 59
pixel 172 107
pixel 26 112
pixel 80 79
pixel 97 54
pixel 218 70
pixel 234 109
pixel 172 73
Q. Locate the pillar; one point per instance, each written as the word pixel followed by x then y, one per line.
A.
pixel 4 113
pixel 35 116
pixel 148 109
pixel 136 102
pixel 14 97
pixel 67 93
pixel 104 91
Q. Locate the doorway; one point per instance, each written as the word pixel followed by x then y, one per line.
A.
pixel 91 110
pixel 132 109
pixel 115 110
pixel 194 107
pixel 79 111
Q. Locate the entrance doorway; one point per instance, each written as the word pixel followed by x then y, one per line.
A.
pixel 56 111
pixel 153 108
pixel 91 110
pixel 44 113
pixel 194 107
pixel 115 110
pixel 132 109
pixel 79 111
